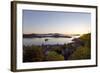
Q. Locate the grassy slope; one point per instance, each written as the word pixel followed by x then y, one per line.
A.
pixel 83 52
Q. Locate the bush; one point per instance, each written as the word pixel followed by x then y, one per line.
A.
pixel 87 39
pixel 33 53
pixel 54 56
pixel 57 49
pixel 81 53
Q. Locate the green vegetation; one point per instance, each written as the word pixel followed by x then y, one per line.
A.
pixel 82 52
pixel 36 53
pixel 87 39
pixel 54 56
pixel 33 53
pixel 56 49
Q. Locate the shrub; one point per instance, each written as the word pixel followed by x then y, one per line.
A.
pixel 54 56
pixel 87 39
pixel 57 49
pixel 33 53
pixel 81 53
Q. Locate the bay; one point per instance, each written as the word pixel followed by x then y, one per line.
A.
pixel 47 41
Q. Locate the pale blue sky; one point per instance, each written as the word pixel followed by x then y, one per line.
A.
pixel 56 22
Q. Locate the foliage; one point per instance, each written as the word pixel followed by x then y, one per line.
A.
pixel 87 39
pixel 57 49
pixel 82 52
pixel 33 53
pixel 54 56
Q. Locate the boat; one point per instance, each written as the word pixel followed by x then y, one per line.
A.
pixel 46 40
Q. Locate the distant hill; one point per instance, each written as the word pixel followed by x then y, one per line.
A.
pixel 56 35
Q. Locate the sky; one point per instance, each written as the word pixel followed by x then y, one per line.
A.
pixel 35 21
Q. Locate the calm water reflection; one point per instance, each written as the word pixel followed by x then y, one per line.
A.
pixel 50 41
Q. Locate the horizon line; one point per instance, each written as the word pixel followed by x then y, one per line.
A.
pixel 57 33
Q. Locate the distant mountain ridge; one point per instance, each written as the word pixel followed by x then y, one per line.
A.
pixel 35 35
